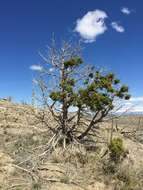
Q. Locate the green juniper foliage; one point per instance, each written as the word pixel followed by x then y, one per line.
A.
pixel 95 94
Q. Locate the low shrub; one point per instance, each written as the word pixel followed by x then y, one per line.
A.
pixel 117 151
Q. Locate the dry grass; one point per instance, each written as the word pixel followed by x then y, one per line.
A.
pixel 23 138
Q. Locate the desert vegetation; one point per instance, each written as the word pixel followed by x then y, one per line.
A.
pixel 86 90
pixel 70 136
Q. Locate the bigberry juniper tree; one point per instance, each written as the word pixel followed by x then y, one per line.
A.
pixel 71 91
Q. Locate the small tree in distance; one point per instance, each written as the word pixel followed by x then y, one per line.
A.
pixel 71 91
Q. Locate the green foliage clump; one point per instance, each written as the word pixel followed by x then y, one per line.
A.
pixel 116 149
pixel 96 93
pixel 55 96
pixel 116 81
pixel 73 62
pixel 127 97
pixel 117 153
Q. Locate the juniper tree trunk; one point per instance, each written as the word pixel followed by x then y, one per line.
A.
pixel 64 102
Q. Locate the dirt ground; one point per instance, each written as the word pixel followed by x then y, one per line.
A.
pixel 25 164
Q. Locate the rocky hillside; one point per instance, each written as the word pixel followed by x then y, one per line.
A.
pixel 26 165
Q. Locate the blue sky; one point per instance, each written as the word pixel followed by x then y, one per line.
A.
pixel 27 26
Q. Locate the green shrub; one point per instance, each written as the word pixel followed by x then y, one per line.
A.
pixel 116 149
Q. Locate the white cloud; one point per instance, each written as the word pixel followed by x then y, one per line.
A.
pixel 136 99
pixel 137 109
pixel 125 10
pixel 36 67
pixel 91 25
pixel 51 69
pixel 135 104
pixel 131 109
pixel 117 27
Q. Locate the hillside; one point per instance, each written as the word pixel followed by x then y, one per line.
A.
pixel 26 165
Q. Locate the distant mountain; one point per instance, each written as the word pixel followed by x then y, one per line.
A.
pixel 135 113
pixel 130 113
